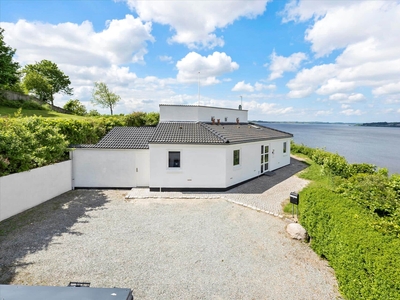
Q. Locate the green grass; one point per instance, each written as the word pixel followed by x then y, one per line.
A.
pixel 10 111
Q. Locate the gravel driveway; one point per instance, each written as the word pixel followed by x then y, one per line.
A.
pixel 163 249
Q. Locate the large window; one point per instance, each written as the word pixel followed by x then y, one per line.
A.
pixel 174 159
pixel 284 147
pixel 236 157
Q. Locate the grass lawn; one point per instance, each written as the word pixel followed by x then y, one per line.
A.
pixel 9 111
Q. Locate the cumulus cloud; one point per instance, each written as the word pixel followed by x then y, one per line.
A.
pixel 122 41
pixel 281 64
pixel 194 67
pixel 351 112
pixel 369 46
pixel 347 98
pixel 247 87
pixel 323 113
pixel 195 23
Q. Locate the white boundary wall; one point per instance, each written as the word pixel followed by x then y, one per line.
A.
pixel 21 191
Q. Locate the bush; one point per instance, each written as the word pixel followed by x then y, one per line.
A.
pixel 21 104
pixel 352 214
pixel 365 261
pixel 27 143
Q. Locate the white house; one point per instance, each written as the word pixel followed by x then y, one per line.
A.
pixel 192 148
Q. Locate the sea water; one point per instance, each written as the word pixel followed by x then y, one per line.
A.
pixel 358 144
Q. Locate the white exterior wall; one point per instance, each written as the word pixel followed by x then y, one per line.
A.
pixel 211 166
pixel 201 167
pixel 21 191
pixel 110 168
pixel 250 159
pixel 179 113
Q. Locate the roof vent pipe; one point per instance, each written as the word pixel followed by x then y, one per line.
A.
pixel 213 120
pixel 219 121
pixel 237 120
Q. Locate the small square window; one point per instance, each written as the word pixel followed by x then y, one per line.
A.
pixel 226 119
pixel 174 159
pixel 236 157
pixel 284 147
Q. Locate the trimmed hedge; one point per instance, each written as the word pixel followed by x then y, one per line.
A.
pixel 352 214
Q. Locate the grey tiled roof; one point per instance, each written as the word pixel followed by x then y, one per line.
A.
pixel 202 133
pixel 185 133
pixel 124 138
pixel 247 132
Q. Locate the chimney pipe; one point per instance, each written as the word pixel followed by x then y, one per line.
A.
pixel 237 120
pixel 213 121
pixel 219 121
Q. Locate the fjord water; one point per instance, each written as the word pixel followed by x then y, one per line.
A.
pixel 358 144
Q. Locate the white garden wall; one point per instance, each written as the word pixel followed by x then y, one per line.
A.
pixel 21 191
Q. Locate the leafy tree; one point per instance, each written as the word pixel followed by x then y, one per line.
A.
pixel 9 75
pixel 104 97
pixel 76 107
pixel 45 79
pixel 94 113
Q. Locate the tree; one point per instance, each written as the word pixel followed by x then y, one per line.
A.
pixel 104 97
pixel 76 107
pixel 45 79
pixel 9 75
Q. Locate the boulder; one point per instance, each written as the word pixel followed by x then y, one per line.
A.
pixel 296 231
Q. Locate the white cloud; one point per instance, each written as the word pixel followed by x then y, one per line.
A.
pixel 194 23
pixel 268 108
pixel 210 67
pixel 243 87
pixel 122 41
pixel 391 88
pixel 165 58
pixel 281 64
pixel 346 98
pixel 334 85
pixel 351 112
pixel 369 46
pixel 247 87
pixel 324 113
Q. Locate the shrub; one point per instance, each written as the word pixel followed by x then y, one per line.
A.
pixel 27 143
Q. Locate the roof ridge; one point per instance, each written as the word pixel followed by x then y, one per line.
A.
pixel 217 134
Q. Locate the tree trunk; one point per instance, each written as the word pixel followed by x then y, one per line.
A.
pixel 111 110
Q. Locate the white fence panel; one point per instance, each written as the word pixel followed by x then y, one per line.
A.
pixel 21 191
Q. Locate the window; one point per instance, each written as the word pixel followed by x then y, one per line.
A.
pixel 174 159
pixel 226 119
pixel 284 147
pixel 236 157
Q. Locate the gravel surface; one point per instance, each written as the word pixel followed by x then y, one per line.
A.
pixel 164 248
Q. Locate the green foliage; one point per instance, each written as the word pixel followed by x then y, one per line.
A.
pixel 75 107
pixel 352 214
pixel 21 104
pixel 27 143
pixel 45 79
pixel 9 75
pixel 102 96
pixel 138 119
pixel 94 113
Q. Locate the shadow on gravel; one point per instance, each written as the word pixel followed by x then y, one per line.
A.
pixel 263 183
pixel 34 229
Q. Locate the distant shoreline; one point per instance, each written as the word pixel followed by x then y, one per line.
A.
pixel 372 124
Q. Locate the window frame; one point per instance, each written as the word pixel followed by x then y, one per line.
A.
pixel 284 150
pixel 169 160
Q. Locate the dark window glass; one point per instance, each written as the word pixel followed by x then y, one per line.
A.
pixel 284 147
pixel 236 157
pixel 174 159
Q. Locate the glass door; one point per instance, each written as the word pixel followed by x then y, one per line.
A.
pixel 264 158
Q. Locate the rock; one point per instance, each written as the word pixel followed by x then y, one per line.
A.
pixel 296 231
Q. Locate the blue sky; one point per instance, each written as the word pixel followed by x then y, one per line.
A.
pixel 333 61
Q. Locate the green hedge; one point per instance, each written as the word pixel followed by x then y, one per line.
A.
pixel 352 214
